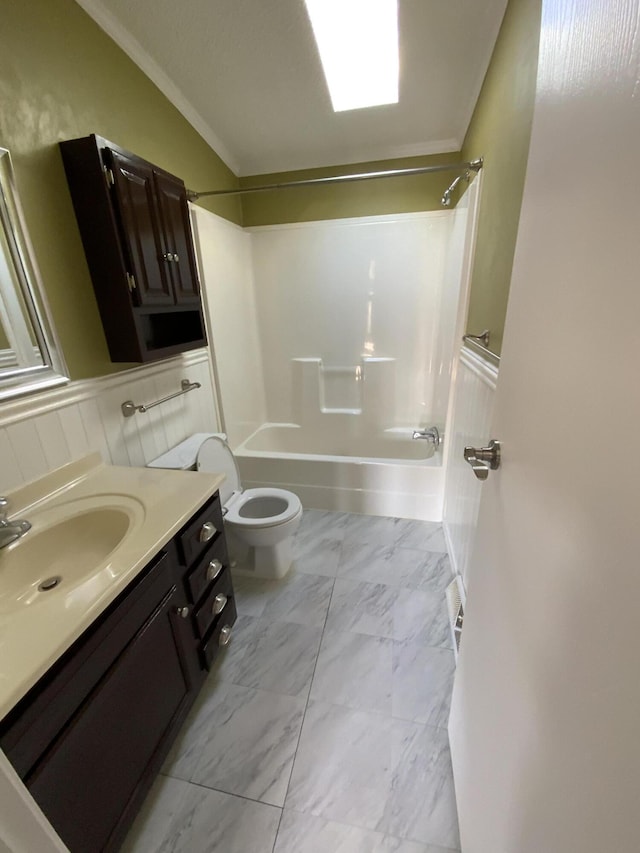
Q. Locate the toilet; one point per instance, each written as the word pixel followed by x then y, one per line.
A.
pixel 259 523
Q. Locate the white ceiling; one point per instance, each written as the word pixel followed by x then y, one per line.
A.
pixel 247 75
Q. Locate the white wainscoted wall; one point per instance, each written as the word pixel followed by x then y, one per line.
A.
pixel 472 413
pixel 42 432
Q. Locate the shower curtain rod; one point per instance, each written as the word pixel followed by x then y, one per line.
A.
pixel 474 165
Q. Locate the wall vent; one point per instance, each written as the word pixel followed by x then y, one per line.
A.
pixel 456 601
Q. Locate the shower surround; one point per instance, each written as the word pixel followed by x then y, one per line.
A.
pixel 352 324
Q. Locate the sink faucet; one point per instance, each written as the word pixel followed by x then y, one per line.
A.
pixel 10 530
pixel 431 434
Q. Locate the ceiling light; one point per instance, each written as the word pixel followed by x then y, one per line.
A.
pixel 358 44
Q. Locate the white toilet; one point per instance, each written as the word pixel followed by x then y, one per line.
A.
pixel 259 523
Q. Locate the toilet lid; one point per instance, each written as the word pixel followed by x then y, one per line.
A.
pixel 215 456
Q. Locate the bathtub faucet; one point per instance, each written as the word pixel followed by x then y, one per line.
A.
pixel 431 434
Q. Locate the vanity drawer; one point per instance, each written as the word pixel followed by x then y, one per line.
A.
pixel 220 634
pixel 206 525
pixel 209 569
pixel 215 603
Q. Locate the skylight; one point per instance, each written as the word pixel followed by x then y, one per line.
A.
pixel 358 45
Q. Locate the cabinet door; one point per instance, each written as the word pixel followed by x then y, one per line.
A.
pixel 89 775
pixel 135 192
pixel 176 230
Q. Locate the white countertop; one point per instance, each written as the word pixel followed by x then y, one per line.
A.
pixel 34 635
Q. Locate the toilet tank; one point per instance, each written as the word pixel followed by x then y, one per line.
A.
pixel 183 456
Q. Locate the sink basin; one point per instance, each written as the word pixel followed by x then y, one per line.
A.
pixel 66 553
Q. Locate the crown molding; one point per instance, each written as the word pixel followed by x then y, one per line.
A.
pixel 134 50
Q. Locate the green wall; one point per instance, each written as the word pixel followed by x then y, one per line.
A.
pixel 500 130
pixel 360 198
pixel 61 77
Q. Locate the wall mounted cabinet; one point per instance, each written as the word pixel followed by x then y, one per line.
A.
pixel 134 223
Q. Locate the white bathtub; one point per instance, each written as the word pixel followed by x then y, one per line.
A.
pixel 329 468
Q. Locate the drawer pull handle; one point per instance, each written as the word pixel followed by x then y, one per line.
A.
pixel 219 603
pixel 225 636
pixel 207 531
pixel 213 569
pixel 182 611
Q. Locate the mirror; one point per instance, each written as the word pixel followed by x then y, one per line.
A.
pixel 30 355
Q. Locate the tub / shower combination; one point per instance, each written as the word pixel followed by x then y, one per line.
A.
pixel 388 474
pixel 333 341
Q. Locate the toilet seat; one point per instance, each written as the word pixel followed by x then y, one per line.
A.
pixel 242 501
pixel 214 455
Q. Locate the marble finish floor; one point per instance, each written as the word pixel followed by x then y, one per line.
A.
pixel 322 727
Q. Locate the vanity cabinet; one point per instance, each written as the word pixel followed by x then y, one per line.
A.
pixel 134 223
pixel 90 737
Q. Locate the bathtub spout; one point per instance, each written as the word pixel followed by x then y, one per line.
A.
pixel 431 434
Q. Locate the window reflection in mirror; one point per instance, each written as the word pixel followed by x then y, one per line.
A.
pixel 30 356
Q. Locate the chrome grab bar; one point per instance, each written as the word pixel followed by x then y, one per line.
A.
pixel 129 408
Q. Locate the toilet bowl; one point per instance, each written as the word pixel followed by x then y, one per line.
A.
pixel 259 523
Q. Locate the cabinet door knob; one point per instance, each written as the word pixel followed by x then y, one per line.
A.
pixel 219 603
pixel 225 636
pixel 182 611
pixel 213 569
pixel 207 531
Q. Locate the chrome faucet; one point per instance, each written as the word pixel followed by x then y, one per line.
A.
pixel 431 434
pixel 10 530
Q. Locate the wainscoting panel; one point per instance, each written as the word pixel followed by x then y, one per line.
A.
pixel 43 432
pixel 474 394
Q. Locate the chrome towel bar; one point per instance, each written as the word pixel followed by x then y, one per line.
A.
pixel 129 408
pixel 482 343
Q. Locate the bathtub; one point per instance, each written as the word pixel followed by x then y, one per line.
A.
pixel 333 468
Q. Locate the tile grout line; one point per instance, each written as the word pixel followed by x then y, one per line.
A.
pixel 304 715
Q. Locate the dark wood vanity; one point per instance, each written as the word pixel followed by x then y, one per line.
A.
pixel 134 223
pixel 90 736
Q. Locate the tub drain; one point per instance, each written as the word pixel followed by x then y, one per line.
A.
pixel 49 583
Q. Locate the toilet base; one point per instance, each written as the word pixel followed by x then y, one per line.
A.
pixel 268 562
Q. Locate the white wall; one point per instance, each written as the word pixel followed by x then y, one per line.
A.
pixel 473 401
pixel 42 432
pixel 317 283
pixel 224 257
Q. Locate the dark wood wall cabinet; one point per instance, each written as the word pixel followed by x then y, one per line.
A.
pixel 91 735
pixel 134 223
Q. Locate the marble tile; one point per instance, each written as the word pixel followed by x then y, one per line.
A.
pixel 249 747
pixel 375 772
pixel 424 535
pixel 363 608
pixel 376 530
pixel 320 523
pixel 422 682
pixel 280 656
pixel 384 611
pixel 300 598
pixel 395 566
pixel 423 804
pixel 315 555
pixel 354 670
pixel 421 616
pixel 252 594
pixel 202 820
pixel 302 833
pixel 153 823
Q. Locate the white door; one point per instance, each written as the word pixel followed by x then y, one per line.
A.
pixel 545 723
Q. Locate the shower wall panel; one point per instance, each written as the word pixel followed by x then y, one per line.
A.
pixel 353 292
